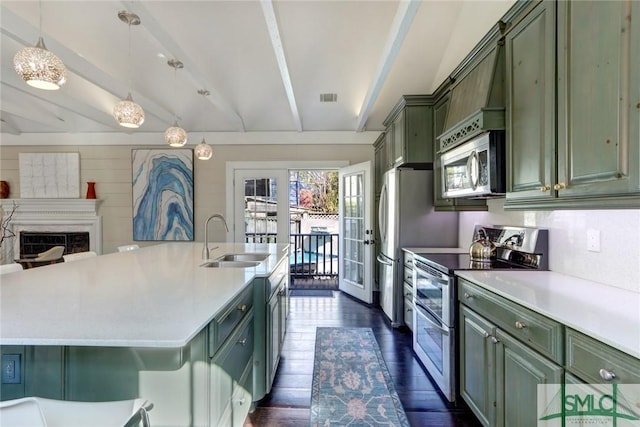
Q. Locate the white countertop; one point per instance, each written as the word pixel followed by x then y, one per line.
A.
pixel 606 313
pixel 157 296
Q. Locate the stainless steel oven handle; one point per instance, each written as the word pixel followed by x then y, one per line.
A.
pixel 442 330
pixel 382 260
pixel 473 169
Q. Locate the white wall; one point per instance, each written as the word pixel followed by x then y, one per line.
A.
pixel 110 167
pixel 618 262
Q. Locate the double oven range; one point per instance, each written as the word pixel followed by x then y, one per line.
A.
pixel 435 315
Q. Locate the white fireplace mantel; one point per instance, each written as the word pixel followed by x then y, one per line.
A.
pixel 52 215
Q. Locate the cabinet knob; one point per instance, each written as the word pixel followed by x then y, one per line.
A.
pixel 486 334
pixel 409 310
pixel 495 340
pixel 241 401
pixel 607 375
pixel 559 186
pixel 467 295
pixel 520 325
pixel 545 188
pixel 242 308
pixel 243 341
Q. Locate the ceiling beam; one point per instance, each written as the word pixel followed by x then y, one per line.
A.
pixel 165 40
pixel 16 28
pixel 399 28
pixel 12 84
pixel 276 42
pixel 8 124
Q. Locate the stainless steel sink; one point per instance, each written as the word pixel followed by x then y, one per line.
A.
pixel 229 264
pixel 245 256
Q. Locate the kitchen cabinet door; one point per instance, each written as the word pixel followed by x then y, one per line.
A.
pixel 409 132
pixel 530 78
pixel 519 371
pixel 273 337
pixel 596 154
pixel 477 365
pixel 380 162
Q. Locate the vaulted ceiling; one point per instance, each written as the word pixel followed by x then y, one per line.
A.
pixel 264 63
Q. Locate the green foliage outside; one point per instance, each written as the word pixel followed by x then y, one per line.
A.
pixel 320 190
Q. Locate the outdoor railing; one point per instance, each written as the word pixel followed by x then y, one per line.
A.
pixel 313 254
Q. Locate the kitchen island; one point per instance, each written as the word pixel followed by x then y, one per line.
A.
pixel 151 322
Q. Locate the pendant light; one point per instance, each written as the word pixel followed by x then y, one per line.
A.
pixel 126 112
pixel 38 66
pixel 203 151
pixel 175 136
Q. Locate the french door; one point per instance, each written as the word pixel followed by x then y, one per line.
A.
pixel 355 264
pixel 261 206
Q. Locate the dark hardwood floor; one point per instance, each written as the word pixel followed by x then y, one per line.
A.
pixel 289 400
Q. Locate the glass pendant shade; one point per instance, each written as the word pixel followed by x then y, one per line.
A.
pixel 128 113
pixel 203 151
pixel 175 136
pixel 39 67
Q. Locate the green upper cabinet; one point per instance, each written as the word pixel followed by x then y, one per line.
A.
pixel 573 94
pixel 530 82
pixel 409 130
pixel 380 162
pixel 596 155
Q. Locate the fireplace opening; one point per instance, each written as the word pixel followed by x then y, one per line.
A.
pixel 33 243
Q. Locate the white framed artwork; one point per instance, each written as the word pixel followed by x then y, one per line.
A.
pixel 49 175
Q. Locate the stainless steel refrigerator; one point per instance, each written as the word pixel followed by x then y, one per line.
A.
pixel 406 218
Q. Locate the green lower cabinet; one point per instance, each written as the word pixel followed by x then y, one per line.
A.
pixel 499 375
pixel 271 311
pixel 232 378
pixel 519 371
pixel 477 366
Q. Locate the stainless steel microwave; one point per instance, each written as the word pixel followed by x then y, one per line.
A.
pixel 475 168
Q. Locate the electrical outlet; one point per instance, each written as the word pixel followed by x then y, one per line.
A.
pixel 593 240
pixel 11 369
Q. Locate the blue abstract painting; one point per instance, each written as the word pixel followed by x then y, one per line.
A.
pixel 162 194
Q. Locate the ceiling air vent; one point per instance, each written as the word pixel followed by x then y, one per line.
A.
pixel 328 97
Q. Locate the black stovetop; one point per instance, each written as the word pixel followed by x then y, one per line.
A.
pixel 447 263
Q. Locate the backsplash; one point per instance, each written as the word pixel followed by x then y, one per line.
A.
pixel 618 262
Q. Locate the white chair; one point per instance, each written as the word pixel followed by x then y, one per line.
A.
pixel 38 411
pixel 51 255
pixel 127 248
pixel 10 268
pixel 79 255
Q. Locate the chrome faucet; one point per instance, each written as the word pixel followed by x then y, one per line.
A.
pixel 205 249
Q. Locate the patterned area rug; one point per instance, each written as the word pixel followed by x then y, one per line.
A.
pixel 351 382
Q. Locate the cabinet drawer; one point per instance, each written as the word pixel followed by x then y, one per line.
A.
pixel 407 292
pixel 537 331
pixel 242 398
pixel 591 360
pixel 408 259
pixel 408 313
pixel 224 324
pixel 408 276
pixel 236 353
